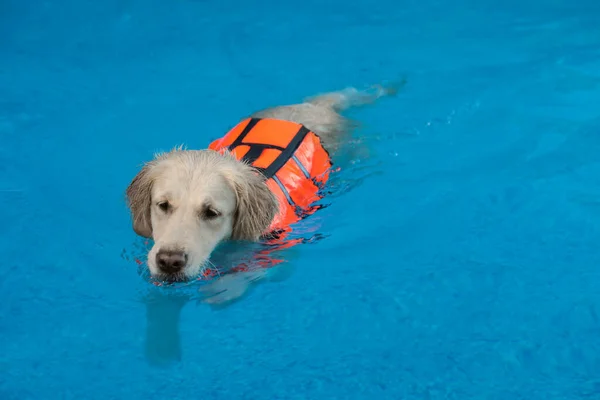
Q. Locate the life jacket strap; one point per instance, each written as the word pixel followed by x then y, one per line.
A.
pixel 256 149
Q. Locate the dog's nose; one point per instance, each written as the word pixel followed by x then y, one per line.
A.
pixel 171 261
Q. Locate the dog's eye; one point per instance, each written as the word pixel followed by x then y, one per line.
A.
pixel 164 206
pixel 211 213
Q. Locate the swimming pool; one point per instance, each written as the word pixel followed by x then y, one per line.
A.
pixel 460 261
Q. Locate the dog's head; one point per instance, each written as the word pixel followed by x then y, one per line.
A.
pixel 190 201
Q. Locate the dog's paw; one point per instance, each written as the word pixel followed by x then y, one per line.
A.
pixel 229 288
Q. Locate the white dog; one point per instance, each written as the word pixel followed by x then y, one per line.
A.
pixel 188 201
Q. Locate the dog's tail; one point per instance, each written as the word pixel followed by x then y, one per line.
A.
pixel 352 97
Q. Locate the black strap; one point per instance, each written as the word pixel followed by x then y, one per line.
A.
pixel 238 140
pixel 286 154
pixel 253 154
pixel 256 149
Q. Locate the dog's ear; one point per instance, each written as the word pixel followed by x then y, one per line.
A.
pixel 256 205
pixel 139 201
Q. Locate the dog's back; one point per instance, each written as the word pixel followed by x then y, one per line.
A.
pixel 322 113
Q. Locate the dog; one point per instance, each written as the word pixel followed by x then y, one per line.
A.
pixel 189 201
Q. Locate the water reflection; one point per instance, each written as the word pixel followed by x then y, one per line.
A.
pixel 236 268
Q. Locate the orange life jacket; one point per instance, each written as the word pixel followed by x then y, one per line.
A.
pixel 290 156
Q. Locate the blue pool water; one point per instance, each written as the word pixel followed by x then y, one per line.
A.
pixel 460 258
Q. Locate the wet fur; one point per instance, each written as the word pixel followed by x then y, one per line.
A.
pixel 205 175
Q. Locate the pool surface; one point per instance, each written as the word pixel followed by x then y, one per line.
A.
pixel 459 258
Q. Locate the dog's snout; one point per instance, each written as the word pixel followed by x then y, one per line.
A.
pixel 171 261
